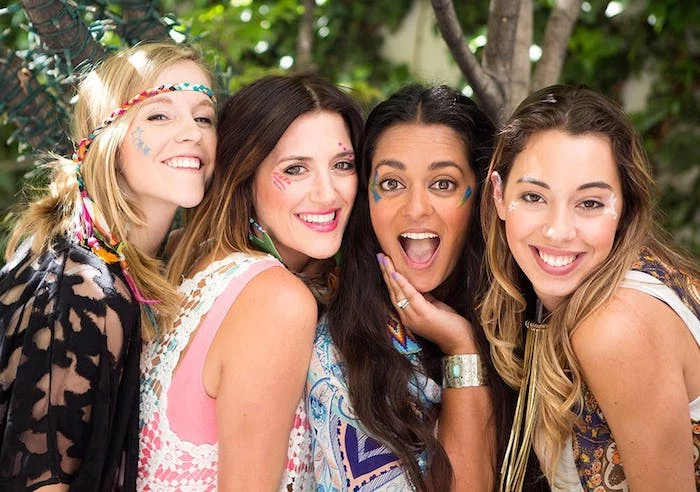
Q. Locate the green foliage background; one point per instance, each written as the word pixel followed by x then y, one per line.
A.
pixel 244 39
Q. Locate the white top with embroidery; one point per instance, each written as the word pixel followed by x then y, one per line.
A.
pixel 167 461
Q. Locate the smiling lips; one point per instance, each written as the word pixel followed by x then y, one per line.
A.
pixel 557 264
pixel 419 247
pixel 184 163
pixel 324 222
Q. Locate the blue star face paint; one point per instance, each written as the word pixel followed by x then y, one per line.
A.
pixel 465 197
pixel 137 138
pixel 373 187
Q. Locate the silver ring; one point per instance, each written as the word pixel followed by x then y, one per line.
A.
pixel 402 303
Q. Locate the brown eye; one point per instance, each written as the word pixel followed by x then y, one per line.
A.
pixel 390 184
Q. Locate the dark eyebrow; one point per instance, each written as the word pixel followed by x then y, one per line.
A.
pixel 444 164
pixel 433 166
pixel 527 179
pixel 295 158
pixel 595 184
pixel 585 186
pixel 346 154
pixel 391 163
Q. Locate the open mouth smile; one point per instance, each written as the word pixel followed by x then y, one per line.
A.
pixel 557 264
pixel 419 248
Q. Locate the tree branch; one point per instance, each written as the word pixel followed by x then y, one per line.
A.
pixel 142 21
pixel 519 83
pixel 488 90
pixel 305 38
pixel 500 47
pixel 36 113
pixel 560 25
pixel 61 29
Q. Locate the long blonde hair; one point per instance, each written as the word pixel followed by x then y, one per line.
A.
pixel 114 81
pixel 575 110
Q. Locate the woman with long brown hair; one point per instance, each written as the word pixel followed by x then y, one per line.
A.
pixel 255 260
pixel 590 312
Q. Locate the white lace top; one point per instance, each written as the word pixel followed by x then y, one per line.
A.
pixel 178 448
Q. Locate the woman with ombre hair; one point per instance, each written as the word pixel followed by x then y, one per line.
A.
pixel 590 313
pixel 83 284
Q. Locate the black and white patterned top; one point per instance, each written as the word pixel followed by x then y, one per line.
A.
pixel 69 372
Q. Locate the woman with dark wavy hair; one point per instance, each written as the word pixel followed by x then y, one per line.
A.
pixel 403 321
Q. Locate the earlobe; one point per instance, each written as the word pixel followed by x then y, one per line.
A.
pixel 497 185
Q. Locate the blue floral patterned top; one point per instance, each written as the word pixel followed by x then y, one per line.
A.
pixel 345 456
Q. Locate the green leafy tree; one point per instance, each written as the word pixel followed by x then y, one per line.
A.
pixel 45 45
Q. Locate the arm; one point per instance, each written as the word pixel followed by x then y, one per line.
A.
pixel 644 344
pixel 466 427
pixel 260 357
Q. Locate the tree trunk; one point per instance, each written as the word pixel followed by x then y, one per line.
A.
pixel 489 90
pixel 142 21
pixel 62 30
pixel 36 113
pixel 560 25
pixel 519 83
pixel 305 39
pixel 503 79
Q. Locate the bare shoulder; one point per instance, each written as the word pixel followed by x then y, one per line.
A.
pixel 631 324
pixel 277 296
pixel 278 288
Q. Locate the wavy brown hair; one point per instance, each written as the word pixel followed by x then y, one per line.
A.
pixel 114 81
pixel 576 111
pixel 377 375
pixel 251 122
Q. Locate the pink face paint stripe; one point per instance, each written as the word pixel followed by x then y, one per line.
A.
pixel 280 181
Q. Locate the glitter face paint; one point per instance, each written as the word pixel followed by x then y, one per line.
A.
pixel 137 138
pixel 610 209
pixel 465 197
pixel 373 187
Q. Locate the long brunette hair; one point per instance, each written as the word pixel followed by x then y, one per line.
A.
pixel 251 122
pixel 377 375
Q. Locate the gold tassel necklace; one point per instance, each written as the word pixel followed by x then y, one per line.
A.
pixel 520 441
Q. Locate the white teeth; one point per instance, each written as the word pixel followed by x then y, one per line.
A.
pixel 419 235
pixel 556 261
pixel 318 219
pixel 184 162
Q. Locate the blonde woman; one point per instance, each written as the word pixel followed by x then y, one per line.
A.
pixel 83 286
pixel 590 313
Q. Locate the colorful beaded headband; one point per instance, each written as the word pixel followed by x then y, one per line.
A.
pixel 92 229
pixel 84 144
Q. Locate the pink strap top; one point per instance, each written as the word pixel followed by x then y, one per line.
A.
pixel 178 448
pixel 191 411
